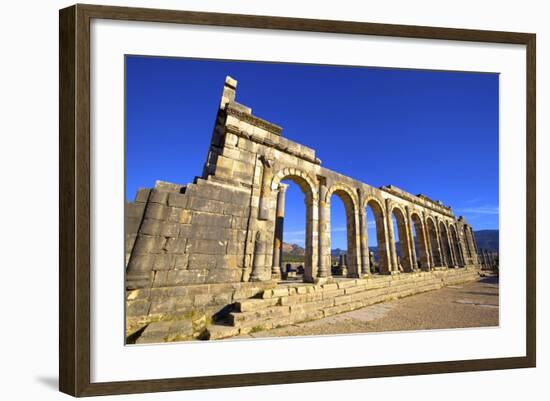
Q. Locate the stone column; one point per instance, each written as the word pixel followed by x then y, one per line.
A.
pixel 412 246
pixel 324 232
pixel 454 260
pixel 278 241
pixel 363 236
pixel 394 267
pixel 474 246
pixel 428 239
pixel 442 255
pixel 258 264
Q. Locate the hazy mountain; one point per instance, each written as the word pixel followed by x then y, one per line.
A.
pixel 487 239
pixel 293 249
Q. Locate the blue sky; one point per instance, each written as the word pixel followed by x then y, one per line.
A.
pixel 429 132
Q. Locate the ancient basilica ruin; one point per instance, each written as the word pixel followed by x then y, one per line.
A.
pixel 204 260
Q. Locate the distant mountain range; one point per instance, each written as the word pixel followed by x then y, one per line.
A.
pixel 486 239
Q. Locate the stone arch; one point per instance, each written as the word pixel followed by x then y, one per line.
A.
pixel 383 250
pixel 455 243
pixel 301 178
pixel 309 188
pixel 403 233
pixel 349 198
pixel 421 241
pixel 447 258
pixel 343 189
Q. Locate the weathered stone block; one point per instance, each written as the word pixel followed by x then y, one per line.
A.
pixel 139 307
pixel 181 262
pixel 142 195
pixel 148 244
pixel 203 219
pixel 155 211
pixel 163 262
pixel 184 216
pixel 200 261
pixel 152 227
pixel 177 200
pixel 142 262
pixel 205 205
pixel 224 275
pixel 176 245
pixel 158 197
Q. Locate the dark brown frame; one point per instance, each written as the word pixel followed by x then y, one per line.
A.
pixel 74 199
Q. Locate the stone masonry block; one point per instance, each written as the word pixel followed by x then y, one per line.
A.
pixel 200 261
pixel 142 195
pixel 141 262
pixel 156 211
pixel 152 227
pixel 173 214
pixel 163 262
pixel 170 229
pixel 177 200
pixel 205 205
pixel 176 245
pixel 204 219
pixel 181 262
pixel 185 216
pixel 158 197
pixel 148 244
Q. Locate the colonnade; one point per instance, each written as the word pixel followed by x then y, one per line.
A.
pixel 427 240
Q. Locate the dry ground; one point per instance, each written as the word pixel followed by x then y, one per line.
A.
pixel 472 304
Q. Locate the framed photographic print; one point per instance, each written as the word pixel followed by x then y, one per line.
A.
pixel 250 200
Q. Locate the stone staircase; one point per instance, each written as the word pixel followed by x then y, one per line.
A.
pixel 291 303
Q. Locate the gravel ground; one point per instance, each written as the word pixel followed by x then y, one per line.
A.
pixel 467 305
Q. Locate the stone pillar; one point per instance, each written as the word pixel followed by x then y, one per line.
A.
pixel 428 239
pixel 394 267
pixel 265 189
pixel 410 234
pixel 324 232
pixel 278 241
pixel 442 255
pixel 258 264
pixel 454 260
pixel 474 246
pixel 363 236
pixel 312 239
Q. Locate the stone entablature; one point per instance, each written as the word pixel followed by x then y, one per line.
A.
pixel 223 227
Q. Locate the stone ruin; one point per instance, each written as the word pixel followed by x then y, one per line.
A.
pixel 196 251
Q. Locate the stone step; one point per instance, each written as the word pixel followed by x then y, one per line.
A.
pixel 218 331
pixel 284 306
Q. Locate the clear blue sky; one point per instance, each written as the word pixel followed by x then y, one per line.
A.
pixel 427 132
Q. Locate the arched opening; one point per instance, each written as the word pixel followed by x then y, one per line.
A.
pixel 420 242
pixel 459 258
pixel 445 246
pixel 435 255
pixel 377 243
pixel 343 233
pixel 290 230
pixel 401 241
pixel 295 207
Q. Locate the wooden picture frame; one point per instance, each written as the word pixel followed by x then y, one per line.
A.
pixel 74 204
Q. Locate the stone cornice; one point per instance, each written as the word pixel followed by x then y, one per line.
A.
pixel 266 142
pixel 256 121
pixel 428 204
